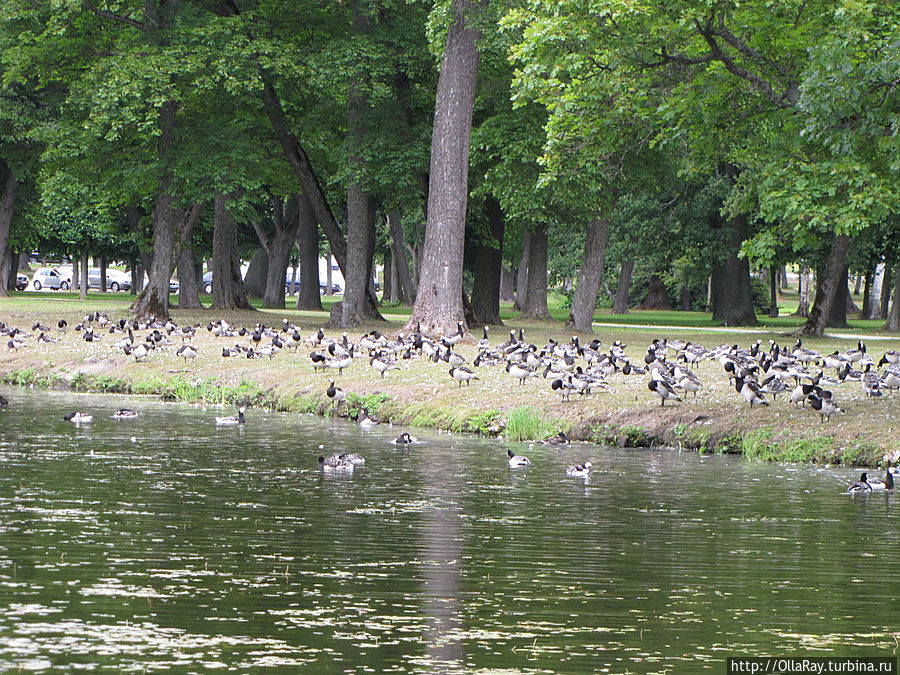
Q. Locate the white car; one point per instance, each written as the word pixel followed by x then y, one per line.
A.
pixel 49 277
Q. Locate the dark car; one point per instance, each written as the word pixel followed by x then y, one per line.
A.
pixel 21 282
pixel 207 283
pixel 335 287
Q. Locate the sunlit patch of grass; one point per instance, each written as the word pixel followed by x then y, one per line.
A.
pixel 526 423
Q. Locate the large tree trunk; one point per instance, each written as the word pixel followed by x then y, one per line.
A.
pixel 227 285
pixel 101 263
pixel 488 261
pixel 308 296
pixel 300 163
pixel 360 249
pixel 406 289
pixel 154 299
pixel 591 275
pixel 522 273
pixel 828 285
pixel 257 271
pixel 893 321
pixel 7 206
pixel 388 290
pixel 83 274
pixel 438 305
pixel 773 291
pixel 867 293
pixel 278 249
pixel 657 297
pixel 507 285
pixel 803 292
pixel 623 288
pixel 732 294
pixel 885 296
pixel 188 291
pixel 536 300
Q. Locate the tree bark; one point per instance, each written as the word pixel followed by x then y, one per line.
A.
pixel 507 285
pixel 657 297
pixel 773 292
pixel 885 297
pixel 102 264
pixel 803 293
pixel 188 290
pixel 536 300
pixel 309 182
pixel 257 271
pixel 406 289
pixel 227 284
pixel 278 249
pixel 83 274
pixel 732 294
pixel 308 296
pixel 388 290
pixel 439 305
pixel 360 249
pixel 488 262
pixel 522 273
pixel 827 286
pixel 620 301
pixel 591 275
pixel 867 293
pixel 7 208
pixel 75 281
pixel 893 321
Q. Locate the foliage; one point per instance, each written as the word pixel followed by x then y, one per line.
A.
pixel 526 423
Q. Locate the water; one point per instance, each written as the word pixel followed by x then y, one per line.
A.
pixel 198 547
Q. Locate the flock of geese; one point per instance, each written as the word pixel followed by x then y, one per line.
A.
pixel 757 375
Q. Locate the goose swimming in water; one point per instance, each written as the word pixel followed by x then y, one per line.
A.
pixel 860 486
pixel 239 419
pixel 335 464
pixel 78 418
pixel 124 414
pixel 517 460
pixel 580 470
pixel 558 439
pixel 404 439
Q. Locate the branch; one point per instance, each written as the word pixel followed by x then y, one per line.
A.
pixel 261 235
pixel 112 16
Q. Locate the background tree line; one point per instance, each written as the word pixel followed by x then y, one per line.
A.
pixel 479 149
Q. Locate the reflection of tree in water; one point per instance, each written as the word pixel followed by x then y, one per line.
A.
pixel 441 552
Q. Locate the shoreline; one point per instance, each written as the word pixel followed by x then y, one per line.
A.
pixel 422 394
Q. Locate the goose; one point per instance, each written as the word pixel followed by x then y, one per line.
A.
pixel 462 374
pixel 3 400
pixel 382 365
pixel 232 419
pixel 484 343
pixel 335 394
pixel 774 386
pixel 517 460
pixel 404 439
pixel 43 337
pixel 749 391
pixel 580 470
pixel 366 421
pixel 886 484
pixel 61 325
pixel 890 356
pixel 341 362
pixel 334 464
pixel 871 382
pixel 664 390
pixel 520 372
pixel 826 407
pixel 564 387
pixel 891 379
pixel 186 352
pixel 78 418
pixel 125 414
pixel 558 439
pixel 319 361
pixel 860 486
pixel 450 340
pixel 353 458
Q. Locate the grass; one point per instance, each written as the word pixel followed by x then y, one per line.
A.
pixel 422 394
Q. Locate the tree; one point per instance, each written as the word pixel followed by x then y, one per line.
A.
pixel 438 305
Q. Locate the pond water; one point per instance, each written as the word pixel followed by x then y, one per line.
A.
pixel 168 542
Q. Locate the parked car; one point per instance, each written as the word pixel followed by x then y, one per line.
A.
pixel 116 280
pixel 335 287
pixel 207 283
pixel 49 277
pixel 21 282
pixel 174 286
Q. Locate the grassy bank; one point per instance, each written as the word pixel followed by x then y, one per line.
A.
pixel 422 393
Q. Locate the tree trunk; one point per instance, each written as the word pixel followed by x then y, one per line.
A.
pixel 522 273
pixel 592 266
pixel 83 274
pixel 657 297
pixel 827 286
pixel 620 301
pixel 102 265
pixel 803 293
pixel 406 289
pixel 438 305
pixel 308 296
pixel 773 292
pixel 488 262
pixel 360 249
pixel 278 249
pixel 837 317
pixel 784 279
pixel 309 182
pixel 329 284
pixel 154 299
pixel 536 299
pixel 867 294
pixel 7 207
pixel 188 291
pixel 893 321
pixel 885 297
pixel 257 271
pixel 388 290
pixel 227 285
pixel 732 295
pixel 75 281
pixel 13 271
pixel 507 285
pixel 685 298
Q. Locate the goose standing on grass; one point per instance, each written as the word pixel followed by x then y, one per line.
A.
pixel 749 391
pixel 78 418
pixel 516 461
pixel 186 352
pixel 826 407
pixel 462 374
pixel 564 387
pixel 335 394
pixel 233 419
pixel 484 343
pixel 580 470
pixel 664 390
pixel 382 365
